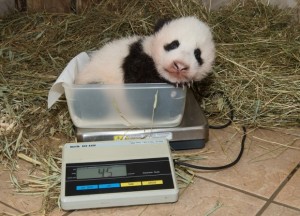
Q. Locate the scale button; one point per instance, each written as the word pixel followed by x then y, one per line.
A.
pixel 86 187
pixel 153 182
pixel 131 184
pixel 118 137
pixel 111 185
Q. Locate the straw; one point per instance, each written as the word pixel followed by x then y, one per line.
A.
pixel 257 68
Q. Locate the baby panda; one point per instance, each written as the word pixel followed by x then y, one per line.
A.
pixel 180 51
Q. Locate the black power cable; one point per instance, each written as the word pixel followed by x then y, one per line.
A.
pixel 219 167
pixel 231 116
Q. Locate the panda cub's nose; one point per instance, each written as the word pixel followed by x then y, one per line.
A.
pixel 180 67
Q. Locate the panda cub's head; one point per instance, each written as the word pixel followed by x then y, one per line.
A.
pixel 182 49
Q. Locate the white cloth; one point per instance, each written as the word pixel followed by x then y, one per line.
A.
pixel 67 76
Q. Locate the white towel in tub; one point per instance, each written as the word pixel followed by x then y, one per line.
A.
pixel 67 76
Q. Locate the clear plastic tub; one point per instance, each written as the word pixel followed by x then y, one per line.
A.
pixel 125 106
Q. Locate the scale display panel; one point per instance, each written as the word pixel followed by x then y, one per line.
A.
pixel 117 173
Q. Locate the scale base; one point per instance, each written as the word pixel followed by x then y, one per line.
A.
pixel 191 133
pixel 127 199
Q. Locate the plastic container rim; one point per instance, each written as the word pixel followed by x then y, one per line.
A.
pixel 122 86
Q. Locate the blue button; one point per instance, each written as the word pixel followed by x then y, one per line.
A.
pixel 86 187
pixel 112 185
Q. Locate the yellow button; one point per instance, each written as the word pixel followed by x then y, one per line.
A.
pixel 131 184
pixel 153 182
pixel 118 137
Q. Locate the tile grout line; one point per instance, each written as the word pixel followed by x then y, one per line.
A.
pixel 233 188
pixel 9 206
pixel 19 211
pixel 281 186
pixel 285 205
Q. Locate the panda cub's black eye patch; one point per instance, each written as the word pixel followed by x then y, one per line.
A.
pixel 173 45
pixel 197 54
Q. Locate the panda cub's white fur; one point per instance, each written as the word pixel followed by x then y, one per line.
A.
pixel 181 51
pixel 105 65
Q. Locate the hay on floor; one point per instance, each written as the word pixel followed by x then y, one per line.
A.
pixel 257 68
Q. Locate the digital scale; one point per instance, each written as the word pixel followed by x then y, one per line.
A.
pixel 117 173
pixel 191 133
pixel 121 167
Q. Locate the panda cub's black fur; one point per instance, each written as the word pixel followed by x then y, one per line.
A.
pixel 139 67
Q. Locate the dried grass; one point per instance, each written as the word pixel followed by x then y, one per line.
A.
pixel 258 64
pixel 257 67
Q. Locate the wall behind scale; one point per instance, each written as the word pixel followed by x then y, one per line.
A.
pixel 77 6
pixel 57 6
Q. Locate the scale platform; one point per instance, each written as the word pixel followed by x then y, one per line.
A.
pixel 191 133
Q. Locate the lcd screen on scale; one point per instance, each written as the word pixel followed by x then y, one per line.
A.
pixel 101 171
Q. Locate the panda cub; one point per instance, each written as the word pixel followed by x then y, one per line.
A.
pixel 180 51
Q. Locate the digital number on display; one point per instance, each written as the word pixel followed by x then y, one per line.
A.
pixel 101 171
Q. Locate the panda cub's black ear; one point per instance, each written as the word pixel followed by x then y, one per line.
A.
pixel 160 23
